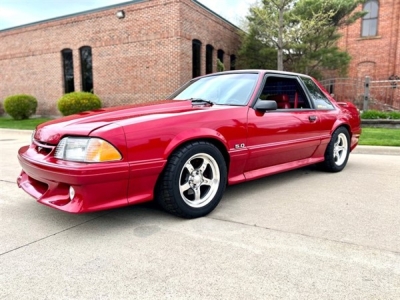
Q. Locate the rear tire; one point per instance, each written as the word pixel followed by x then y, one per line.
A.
pixel 193 181
pixel 337 151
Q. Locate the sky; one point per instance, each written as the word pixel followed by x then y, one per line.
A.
pixel 19 12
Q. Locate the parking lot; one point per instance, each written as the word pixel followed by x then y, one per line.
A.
pixel 304 234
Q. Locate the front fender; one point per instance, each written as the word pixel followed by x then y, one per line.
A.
pixel 191 135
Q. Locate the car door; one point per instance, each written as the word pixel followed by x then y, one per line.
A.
pixel 324 110
pixel 289 134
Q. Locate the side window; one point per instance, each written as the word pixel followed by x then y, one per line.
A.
pixel 86 68
pixel 287 93
pixel 209 58
pixel 68 70
pixel 370 20
pixel 318 97
pixel 196 58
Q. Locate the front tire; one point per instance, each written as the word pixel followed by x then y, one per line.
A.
pixel 338 150
pixel 193 181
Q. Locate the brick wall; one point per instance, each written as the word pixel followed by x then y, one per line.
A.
pixel 197 23
pixel 377 56
pixel 145 56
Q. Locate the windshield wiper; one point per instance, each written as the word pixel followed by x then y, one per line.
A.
pixel 200 100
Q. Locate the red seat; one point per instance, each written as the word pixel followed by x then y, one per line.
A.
pixel 296 100
pixel 281 100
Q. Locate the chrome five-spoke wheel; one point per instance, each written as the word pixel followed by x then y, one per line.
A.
pixel 199 180
pixel 338 150
pixel 193 181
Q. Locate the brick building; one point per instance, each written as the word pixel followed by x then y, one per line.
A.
pixel 374 45
pixel 132 52
pixel 374 41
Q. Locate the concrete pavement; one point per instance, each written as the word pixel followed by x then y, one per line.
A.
pixel 303 234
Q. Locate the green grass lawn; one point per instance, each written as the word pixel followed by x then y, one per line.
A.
pixel 10 123
pixel 380 137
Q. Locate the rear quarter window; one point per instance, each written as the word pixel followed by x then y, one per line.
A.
pixel 317 96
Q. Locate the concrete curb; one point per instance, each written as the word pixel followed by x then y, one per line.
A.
pixel 376 150
pixel 380 123
pixel 358 150
pixel 15 131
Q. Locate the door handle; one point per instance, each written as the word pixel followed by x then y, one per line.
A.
pixel 312 118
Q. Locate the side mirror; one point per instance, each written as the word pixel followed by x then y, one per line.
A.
pixel 264 105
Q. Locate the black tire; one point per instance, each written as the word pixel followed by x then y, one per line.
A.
pixel 193 181
pixel 337 151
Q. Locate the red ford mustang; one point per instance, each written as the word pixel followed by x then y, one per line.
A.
pixel 220 129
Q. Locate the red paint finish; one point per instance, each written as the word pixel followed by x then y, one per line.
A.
pixel 255 143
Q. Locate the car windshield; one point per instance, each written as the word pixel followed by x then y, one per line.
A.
pixel 226 89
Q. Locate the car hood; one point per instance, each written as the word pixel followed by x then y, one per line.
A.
pixel 84 123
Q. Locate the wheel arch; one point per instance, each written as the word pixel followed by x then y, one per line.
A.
pixel 217 143
pixel 339 124
pixel 216 139
pixel 199 134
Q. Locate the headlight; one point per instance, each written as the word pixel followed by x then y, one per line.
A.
pixel 86 150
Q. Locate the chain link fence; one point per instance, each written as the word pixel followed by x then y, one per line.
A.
pixel 366 94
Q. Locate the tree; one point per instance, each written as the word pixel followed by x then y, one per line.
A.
pixel 254 54
pixel 269 23
pixel 303 32
pixel 220 66
pixel 315 48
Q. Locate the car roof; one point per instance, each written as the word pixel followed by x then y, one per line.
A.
pixel 259 71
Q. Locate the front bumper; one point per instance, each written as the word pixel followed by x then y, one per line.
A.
pixel 97 186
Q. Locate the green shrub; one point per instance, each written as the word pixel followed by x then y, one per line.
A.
pixel 77 102
pixel 21 106
pixel 373 114
pixel 376 114
pixel 1 109
pixel 394 115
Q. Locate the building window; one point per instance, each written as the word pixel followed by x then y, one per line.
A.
pixel 196 58
pixel 86 68
pixel 209 59
pixel 68 68
pixel 370 20
pixel 220 55
pixel 233 62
